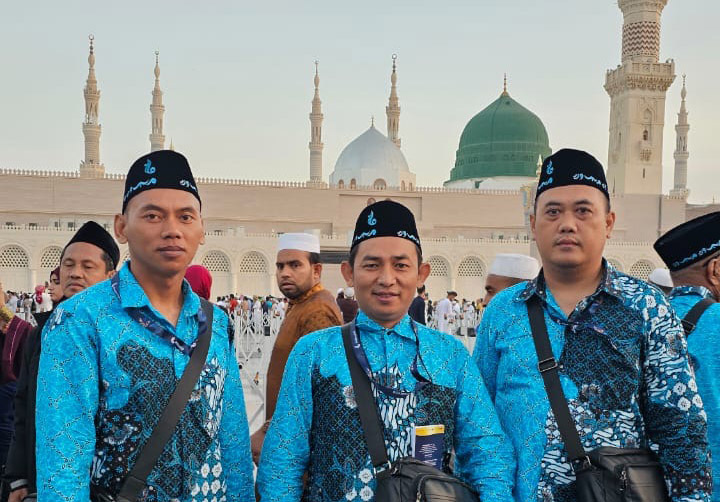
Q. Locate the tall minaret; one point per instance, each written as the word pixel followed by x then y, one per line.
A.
pixel 157 111
pixel 91 166
pixel 681 148
pixel 316 144
pixel 393 109
pixel 637 90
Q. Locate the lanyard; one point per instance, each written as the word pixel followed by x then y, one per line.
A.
pixel 143 316
pixel 362 360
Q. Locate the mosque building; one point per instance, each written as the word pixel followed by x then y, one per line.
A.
pixel 480 211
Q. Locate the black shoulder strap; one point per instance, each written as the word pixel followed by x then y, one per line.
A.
pixel 693 316
pixel 163 431
pixel 372 427
pixel 548 367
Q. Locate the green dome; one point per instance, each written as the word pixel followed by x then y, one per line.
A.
pixel 505 139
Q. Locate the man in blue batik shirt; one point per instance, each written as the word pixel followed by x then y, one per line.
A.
pixel 622 357
pixel 692 253
pixel 113 354
pixel 419 376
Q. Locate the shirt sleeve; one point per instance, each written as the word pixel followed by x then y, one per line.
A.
pixel 67 401
pixel 673 411
pixel 484 353
pixel 483 452
pixel 235 437
pixel 286 449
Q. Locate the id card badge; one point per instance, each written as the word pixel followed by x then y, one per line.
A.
pixel 428 444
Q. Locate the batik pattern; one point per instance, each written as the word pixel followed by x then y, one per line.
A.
pixel 624 370
pixel 104 381
pixel 316 426
pixel 704 348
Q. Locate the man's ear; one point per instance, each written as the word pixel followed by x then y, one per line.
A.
pixel 110 274
pixel 347 273
pixel 423 273
pixel 609 224
pixel 532 225
pixel 202 224
pixel 120 224
pixel 317 270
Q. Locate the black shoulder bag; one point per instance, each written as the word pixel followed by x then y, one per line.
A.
pixel 693 316
pixel 605 474
pixel 136 481
pixel 407 478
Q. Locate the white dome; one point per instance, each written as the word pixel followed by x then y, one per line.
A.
pixel 369 158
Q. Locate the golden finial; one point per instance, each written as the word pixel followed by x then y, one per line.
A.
pixel 316 66
pixel 157 54
pixel 372 120
pixel 91 37
pixel 394 58
pixel 505 91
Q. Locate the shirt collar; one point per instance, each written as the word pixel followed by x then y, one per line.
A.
pixel 402 328
pixel 608 284
pixel 701 291
pixel 307 294
pixel 132 295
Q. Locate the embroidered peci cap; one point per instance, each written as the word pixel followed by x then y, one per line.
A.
pixel 690 242
pixel 571 167
pixel 94 234
pixel 160 169
pixel 386 218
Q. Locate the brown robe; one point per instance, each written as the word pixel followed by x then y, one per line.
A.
pixel 314 310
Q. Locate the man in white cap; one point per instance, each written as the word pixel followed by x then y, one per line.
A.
pixel 660 277
pixel 445 313
pixel 311 308
pixel 507 270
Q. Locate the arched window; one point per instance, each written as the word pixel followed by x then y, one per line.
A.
pixel 439 267
pixel 379 184
pixel 50 257
pixel 353 184
pixel 14 257
pixel 341 184
pixel 472 266
pixel 641 269
pixel 216 261
pixel 402 186
pixel 253 263
pixel 646 135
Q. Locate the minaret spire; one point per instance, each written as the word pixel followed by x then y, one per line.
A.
pixel 157 112
pixel 505 91
pixel 681 147
pixel 316 144
pixel 393 108
pixel 91 166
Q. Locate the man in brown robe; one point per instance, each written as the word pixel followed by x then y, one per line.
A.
pixel 311 308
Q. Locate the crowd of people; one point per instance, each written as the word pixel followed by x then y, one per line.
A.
pixel 584 383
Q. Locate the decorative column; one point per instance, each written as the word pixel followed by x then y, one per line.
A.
pixel 637 91
pixel 91 167
pixel 393 108
pixel 316 144
pixel 157 112
pixel 681 148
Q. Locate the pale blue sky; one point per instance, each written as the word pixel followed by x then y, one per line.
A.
pixel 238 75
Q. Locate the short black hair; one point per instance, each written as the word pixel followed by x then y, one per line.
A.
pixel 314 258
pixel 421 289
pixel 353 255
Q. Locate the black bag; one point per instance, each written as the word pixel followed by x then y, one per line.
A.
pixel 407 479
pixel 605 474
pixel 136 480
pixel 693 316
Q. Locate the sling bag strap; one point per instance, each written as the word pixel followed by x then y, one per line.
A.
pixel 548 367
pixel 693 316
pixel 372 428
pixel 136 481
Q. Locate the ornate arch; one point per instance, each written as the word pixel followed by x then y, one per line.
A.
pixel 472 266
pixel 253 263
pixel 641 269
pixel 439 266
pixel 50 257
pixel 14 256
pixel 216 261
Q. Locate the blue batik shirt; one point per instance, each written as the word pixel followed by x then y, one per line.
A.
pixel 104 380
pixel 316 426
pixel 704 347
pixel 624 369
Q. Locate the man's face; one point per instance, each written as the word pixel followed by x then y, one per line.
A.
pixel 385 276
pixel 295 274
pixel 571 225
pixel 496 283
pixel 82 266
pixel 163 229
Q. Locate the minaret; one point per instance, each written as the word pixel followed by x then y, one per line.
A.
pixel 681 148
pixel 157 111
pixel 316 144
pixel 91 166
pixel 393 108
pixel 637 90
